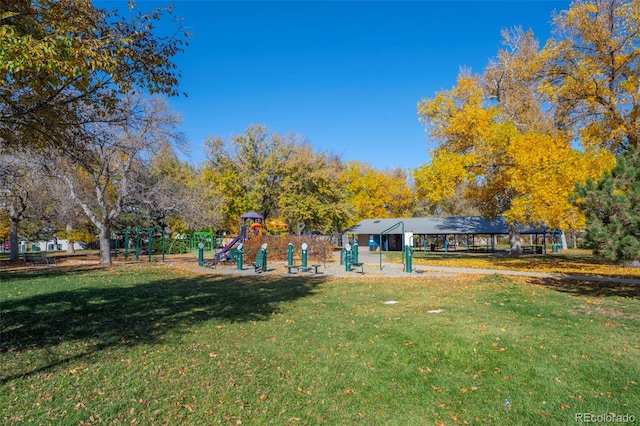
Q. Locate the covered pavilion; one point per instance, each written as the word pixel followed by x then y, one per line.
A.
pixel 467 233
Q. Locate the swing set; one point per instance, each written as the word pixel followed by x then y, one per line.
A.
pixel 141 237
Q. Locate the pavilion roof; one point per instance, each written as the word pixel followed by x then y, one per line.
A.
pixel 440 226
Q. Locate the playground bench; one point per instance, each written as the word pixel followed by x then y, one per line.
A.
pixel 310 267
pixel 358 265
pixel 38 257
pixel 115 252
pixel 531 250
pixel 303 268
pixel 290 267
pixel 315 268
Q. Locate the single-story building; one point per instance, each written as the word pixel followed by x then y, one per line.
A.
pixel 50 245
pixel 468 233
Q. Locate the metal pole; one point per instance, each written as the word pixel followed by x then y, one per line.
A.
pixel 290 254
pixel 304 257
pixel 137 244
pixel 163 244
pixel 347 260
pixel 150 234
pixel 240 251
pixel 385 232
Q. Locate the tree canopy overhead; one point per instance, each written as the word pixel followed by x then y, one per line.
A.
pixel 590 70
pixel 58 56
pixel 526 175
pixel 520 136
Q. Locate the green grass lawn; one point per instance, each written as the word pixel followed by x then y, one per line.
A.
pixel 147 344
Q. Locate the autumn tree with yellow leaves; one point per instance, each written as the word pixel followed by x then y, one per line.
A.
pixel 376 194
pixel 57 56
pixel 279 176
pixel 524 175
pixel 590 72
pixel 518 138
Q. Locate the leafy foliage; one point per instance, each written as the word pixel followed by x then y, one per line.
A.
pixel 58 56
pixel 319 249
pixel 4 225
pixel 246 172
pixel 276 176
pixel 525 176
pixel 312 199
pixel 376 194
pixel 612 207
pixel 591 72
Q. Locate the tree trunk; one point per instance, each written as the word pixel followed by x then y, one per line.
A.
pixel 563 239
pixel 105 244
pixel 14 254
pixel 70 243
pixel 71 247
pixel 514 239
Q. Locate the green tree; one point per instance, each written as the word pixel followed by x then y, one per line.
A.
pixel 276 176
pixel 612 207
pixel 246 171
pixel 313 198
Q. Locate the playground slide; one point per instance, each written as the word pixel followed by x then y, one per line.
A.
pixel 228 247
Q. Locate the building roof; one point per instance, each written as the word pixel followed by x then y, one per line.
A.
pixel 251 215
pixel 439 226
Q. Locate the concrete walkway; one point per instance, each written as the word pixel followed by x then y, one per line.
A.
pixel 372 269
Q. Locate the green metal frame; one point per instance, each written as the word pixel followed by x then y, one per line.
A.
pixel 137 232
pixel 206 238
pixel 186 240
pixel 386 232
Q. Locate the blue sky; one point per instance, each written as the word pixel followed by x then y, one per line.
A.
pixel 345 75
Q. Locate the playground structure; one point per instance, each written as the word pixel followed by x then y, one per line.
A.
pixel 251 225
pixel 140 239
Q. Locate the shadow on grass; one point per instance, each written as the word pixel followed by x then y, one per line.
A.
pixel 589 288
pixel 87 320
pixel 10 273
